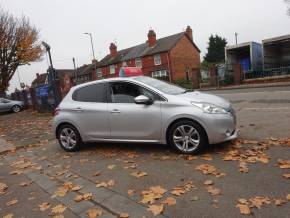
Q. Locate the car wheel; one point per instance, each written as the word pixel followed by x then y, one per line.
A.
pixel 187 137
pixel 69 138
pixel 16 108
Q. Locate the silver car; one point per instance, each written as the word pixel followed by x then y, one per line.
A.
pixel 142 109
pixel 10 105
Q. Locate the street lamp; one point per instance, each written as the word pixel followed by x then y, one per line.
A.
pixel 91 44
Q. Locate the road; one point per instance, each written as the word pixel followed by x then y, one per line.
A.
pixel 252 169
pixel 262 112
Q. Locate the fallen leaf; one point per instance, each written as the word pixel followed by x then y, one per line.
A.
pixel 10 203
pixel 158 190
pixel 112 166
pixel 208 182
pixel 259 201
pixel 286 175
pixel 288 197
pixel 78 198
pixel 101 184
pixel 194 198
pixel 97 173
pixel 284 164
pixel 131 192
pixel 124 215
pixel 10 215
pixel 206 157
pixel 279 202
pixel 212 190
pixel 244 209
pixel 177 191
pixel 93 213
pixel 243 167
pixel 77 188
pixel 87 196
pixel 3 188
pixel 169 201
pixel 58 209
pixel 24 184
pixel 111 182
pixel 138 174
pixel 44 206
pixel 155 209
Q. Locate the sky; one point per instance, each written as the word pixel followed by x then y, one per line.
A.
pixel 62 24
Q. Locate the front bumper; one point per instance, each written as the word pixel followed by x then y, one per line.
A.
pixel 220 127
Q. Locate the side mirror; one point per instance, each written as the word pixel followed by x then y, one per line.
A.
pixel 142 99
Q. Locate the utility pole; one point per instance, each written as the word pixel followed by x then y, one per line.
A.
pixel 92 44
pixel 236 35
pixel 76 76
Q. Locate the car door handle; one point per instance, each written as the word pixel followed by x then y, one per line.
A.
pixel 79 109
pixel 115 111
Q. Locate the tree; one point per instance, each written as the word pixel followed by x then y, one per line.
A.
pixel 19 45
pixel 216 49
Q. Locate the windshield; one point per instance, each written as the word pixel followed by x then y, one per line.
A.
pixel 162 86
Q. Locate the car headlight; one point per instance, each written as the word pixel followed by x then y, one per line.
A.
pixel 210 108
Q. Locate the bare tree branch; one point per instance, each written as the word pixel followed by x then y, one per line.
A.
pixel 19 45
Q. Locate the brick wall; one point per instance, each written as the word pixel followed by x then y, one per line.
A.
pixel 182 57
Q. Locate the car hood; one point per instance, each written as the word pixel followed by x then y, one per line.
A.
pixel 197 96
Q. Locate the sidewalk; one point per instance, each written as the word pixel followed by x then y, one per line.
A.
pixel 247 86
pixel 6 146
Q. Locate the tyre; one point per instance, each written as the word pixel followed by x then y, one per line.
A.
pixel 16 108
pixel 187 137
pixel 69 138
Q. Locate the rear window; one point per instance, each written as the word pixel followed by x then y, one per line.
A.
pixel 91 93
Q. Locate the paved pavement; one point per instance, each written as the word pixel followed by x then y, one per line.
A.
pixel 249 168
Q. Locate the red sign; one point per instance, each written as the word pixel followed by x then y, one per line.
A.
pixel 130 71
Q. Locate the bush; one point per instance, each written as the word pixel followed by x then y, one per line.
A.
pixel 184 83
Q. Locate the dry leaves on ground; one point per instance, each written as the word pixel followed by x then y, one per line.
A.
pixel 182 189
pixel 284 164
pixel 243 167
pixel 124 215
pixel 209 169
pixel 131 192
pixel 169 201
pixel 44 206
pixel 10 215
pixel 58 209
pixel 244 209
pixel 280 202
pixel 3 188
pixel 208 182
pixel 155 209
pixel 139 174
pixel 286 175
pixel 85 196
pixel 110 183
pixel 93 213
pixel 213 190
pixel 12 202
pixel 154 193
pixel 112 166
pixel 259 201
pixel 66 187
pixel 23 184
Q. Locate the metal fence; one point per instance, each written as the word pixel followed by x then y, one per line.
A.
pixel 269 72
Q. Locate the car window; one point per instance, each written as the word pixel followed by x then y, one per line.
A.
pixel 162 86
pixel 125 92
pixel 91 93
pixel 4 100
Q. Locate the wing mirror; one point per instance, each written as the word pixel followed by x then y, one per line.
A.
pixel 142 99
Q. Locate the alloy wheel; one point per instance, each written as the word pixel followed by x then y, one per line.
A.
pixel 68 138
pixel 186 138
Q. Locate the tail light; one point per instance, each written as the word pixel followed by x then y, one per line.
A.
pixel 56 111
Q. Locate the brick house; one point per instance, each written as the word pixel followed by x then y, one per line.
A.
pixel 172 58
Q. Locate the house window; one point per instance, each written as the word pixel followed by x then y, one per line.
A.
pixel 138 62
pixel 112 69
pixel 160 73
pixel 99 73
pixel 157 59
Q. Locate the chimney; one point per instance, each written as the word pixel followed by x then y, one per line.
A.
pixel 151 38
pixel 189 32
pixel 113 50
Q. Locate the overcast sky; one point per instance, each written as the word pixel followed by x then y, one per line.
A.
pixel 63 22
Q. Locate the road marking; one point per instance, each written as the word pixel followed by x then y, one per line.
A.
pixel 235 93
pixel 266 108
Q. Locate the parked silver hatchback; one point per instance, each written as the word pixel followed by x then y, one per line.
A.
pixel 142 109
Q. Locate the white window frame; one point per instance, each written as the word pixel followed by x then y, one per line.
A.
pixel 159 73
pixel 138 62
pixel 157 59
pixel 112 69
pixel 99 73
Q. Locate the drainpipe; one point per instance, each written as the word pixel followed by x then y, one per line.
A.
pixel 169 68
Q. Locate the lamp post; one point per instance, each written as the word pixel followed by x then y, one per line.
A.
pixel 92 44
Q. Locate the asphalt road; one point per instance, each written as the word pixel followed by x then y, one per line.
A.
pixel 262 113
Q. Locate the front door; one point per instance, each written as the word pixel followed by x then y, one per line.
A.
pixel 131 121
pixel 90 111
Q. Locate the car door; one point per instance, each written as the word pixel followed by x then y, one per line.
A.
pixel 131 121
pixel 90 111
pixel 4 105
